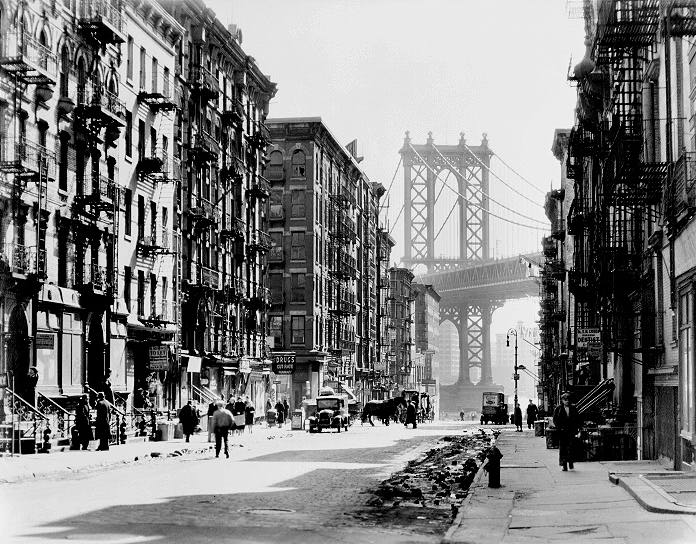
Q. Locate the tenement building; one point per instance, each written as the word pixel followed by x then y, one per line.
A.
pixel 628 254
pixel 131 204
pixel 322 273
pixel 427 326
pixel 385 357
pixel 400 307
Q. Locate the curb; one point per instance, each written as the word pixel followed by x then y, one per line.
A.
pixel 650 496
pixel 463 509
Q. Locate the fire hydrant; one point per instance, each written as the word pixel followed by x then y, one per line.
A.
pixel 493 466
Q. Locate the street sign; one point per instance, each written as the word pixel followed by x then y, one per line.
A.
pixel 515 376
pixel 159 357
pixel 588 336
pixel 283 363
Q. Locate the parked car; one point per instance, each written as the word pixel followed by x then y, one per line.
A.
pixel 331 413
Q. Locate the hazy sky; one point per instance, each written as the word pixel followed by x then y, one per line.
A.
pixel 373 69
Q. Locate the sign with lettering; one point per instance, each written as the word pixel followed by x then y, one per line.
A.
pixel 45 340
pixel 159 357
pixel 4 381
pixel 284 363
pixel 244 365
pixel 588 336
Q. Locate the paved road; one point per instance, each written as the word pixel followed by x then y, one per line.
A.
pixel 295 488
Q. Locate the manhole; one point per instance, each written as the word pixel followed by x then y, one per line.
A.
pixel 267 511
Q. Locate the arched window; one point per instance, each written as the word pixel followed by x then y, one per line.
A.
pixel 298 163
pixel 81 80
pixel 276 158
pixel 64 70
pixel 43 59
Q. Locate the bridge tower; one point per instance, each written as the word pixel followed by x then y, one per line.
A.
pixel 423 165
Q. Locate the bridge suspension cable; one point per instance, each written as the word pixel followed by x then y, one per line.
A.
pixel 484 193
pixel 540 191
pixel 484 210
pixel 392 182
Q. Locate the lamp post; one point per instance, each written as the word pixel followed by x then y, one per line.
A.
pixel 516 376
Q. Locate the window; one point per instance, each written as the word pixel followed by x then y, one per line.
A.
pixel 276 158
pixel 63 166
pixel 165 82
pixel 143 75
pixel 153 294
pixel 275 327
pixel 164 289
pixel 298 246
pixel 155 69
pixel 686 362
pixel 141 139
pixel 153 142
pixel 129 62
pixel 64 71
pixel 127 216
pixel 141 293
pixel 141 217
pixel 297 293
pixel 153 220
pixel 297 203
pixel 297 329
pixel 127 279
pixel 298 163
pixel 129 134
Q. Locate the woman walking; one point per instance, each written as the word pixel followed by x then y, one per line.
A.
pixel 566 419
pixel 249 412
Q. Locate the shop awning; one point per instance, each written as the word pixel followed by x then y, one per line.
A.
pixel 348 391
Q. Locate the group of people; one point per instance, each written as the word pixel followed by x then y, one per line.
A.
pixel 102 422
pixel 236 416
pixel 532 415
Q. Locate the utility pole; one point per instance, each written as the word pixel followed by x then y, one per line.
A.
pixel 515 376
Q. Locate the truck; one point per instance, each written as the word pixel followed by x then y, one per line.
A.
pixel 493 409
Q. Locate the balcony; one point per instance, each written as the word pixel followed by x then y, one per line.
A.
pixel 345 266
pixel 549 247
pixel 204 214
pixel 203 83
pixel 20 260
pixel 153 161
pixel 579 285
pixel 234 115
pixel 203 148
pixel 235 289
pixel 233 171
pixel 235 229
pixel 276 255
pixel 102 198
pixel 203 278
pixel 94 282
pixel 682 19
pixel 153 244
pixel 261 137
pixel 28 60
pixel 259 188
pixel 159 99
pixel 259 241
pixel 343 307
pixel 627 24
pixel 102 107
pixel 102 21
pixel 344 197
pixel 683 185
pixel 26 158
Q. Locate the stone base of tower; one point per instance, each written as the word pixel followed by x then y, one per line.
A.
pixel 464 396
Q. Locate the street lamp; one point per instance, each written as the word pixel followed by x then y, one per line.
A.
pixel 516 376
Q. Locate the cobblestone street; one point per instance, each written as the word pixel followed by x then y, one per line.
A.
pixel 296 487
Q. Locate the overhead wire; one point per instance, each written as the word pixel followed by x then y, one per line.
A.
pixel 392 181
pixel 484 210
pixel 484 193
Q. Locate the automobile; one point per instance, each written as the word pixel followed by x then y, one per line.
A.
pixel 331 413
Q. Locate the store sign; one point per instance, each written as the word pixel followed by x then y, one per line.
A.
pixel 283 363
pixel 595 350
pixel 159 358
pixel 4 380
pixel 244 365
pixel 45 340
pixel 588 336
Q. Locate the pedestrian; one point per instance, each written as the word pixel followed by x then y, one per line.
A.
pixel 108 391
pixel 239 415
pixel 188 417
pixel 566 420
pixel 102 424
pixel 518 418
pixel 411 414
pixel 461 415
pixel 31 382
pixel 532 412
pixel 249 412
pixel 221 424
pixel 286 409
pixel 280 413
pixel 83 422
pixel 212 408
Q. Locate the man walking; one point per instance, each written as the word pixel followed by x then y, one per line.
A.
pixel 188 416
pixel 566 419
pixel 221 423
pixel 532 413
pixel 102 423
pixel 517 418
pixel 83 422
pixel 411 414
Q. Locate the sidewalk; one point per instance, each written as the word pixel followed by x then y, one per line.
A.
pixel 24 467
pixel 539 503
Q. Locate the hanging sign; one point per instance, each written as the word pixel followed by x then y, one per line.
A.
pixel 588 336
pixel 4 380
pixel 284 363
pixel 159 357
pixel 244 365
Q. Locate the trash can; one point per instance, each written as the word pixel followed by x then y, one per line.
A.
pixel 539 427
pixel 551 439
pixel 179 431
pixel 297 422
pixel 271 420
pixel 165 431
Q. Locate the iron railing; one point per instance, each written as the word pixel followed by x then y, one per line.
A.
pixel 23 259
pixel 25 155
pixel 98 11
pixel 95 95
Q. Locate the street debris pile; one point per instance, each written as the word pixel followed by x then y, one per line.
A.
pixel 428 492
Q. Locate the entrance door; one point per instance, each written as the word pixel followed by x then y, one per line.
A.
pixel 95 354
pixel 18 353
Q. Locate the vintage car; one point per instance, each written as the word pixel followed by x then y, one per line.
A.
pixel 331 413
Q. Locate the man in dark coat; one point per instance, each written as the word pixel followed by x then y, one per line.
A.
pixel 280 413
pixel 239 415
pixel 566 419
pixel 102 427
pixel 108 391
pixel 188 416
pixel 249 412
pixel 83 422
pixel 411 414
pixel 532 413
pixel 286 409
pixel 518 418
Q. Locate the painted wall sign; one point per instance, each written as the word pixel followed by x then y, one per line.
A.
pixel 283 363
pixel 45 340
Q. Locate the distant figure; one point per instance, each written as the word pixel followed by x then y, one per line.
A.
pixel 518 418
pixel 461 415
pixel 249 412
pixel 239 414
pixel 212 408
pixel 102 423
pixel 83 422
pixel 280 415
pixel 221 422
pixel 411 414
pixel 566 419
pixel 532 412
pixel 188 416
pixel 286 408
pixel 30 385
pixel 108 391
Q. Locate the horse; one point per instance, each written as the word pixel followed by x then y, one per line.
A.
pixel 383 409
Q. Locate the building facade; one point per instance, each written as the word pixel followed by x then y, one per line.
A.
pixel 401 308
pixel 427 327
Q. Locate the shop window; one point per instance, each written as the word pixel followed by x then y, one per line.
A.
pixel 686 361
pixel 297 329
